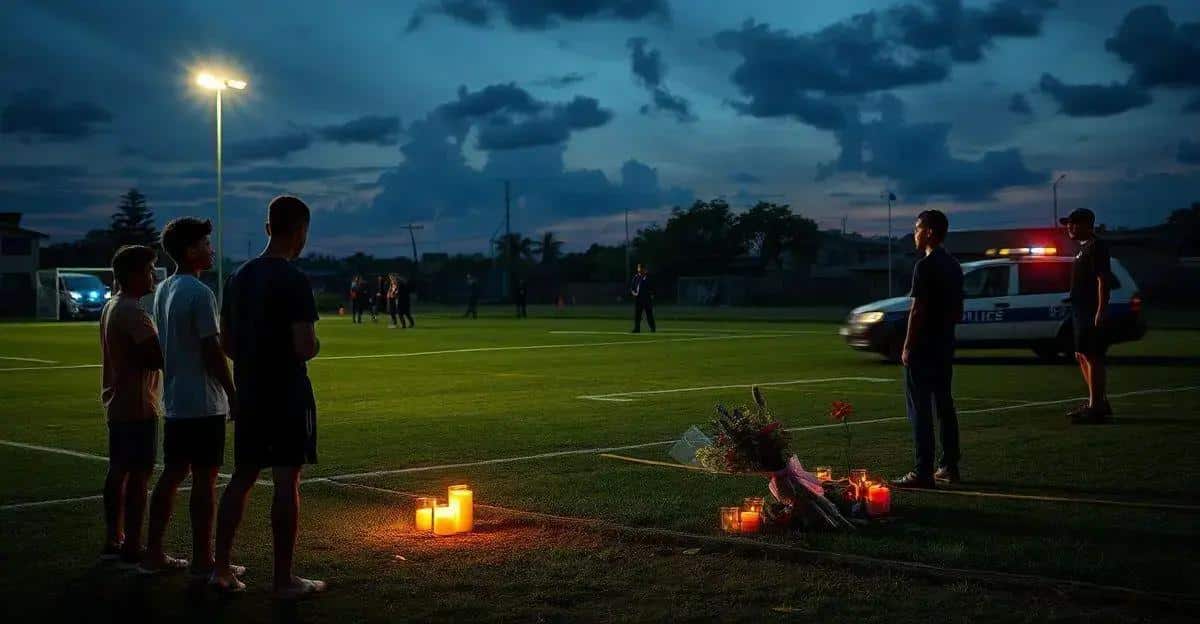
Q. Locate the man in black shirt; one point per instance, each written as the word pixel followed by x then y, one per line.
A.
pixel 268 330
pixel 928 355
pixel 521 296
pixel 643 299
pixel 472 297
pixel 1091 282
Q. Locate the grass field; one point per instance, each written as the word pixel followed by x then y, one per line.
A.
pixel 524 410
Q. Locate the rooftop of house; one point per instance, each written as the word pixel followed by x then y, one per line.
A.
pixel 10 224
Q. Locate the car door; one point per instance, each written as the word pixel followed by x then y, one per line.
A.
pixel 987 300
pixel 1040 305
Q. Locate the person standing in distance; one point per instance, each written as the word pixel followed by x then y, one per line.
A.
pixel 472 297
pixel 1091 284
pixel 268 328
pixel 522 296
pixel 928 355
pixel 643 299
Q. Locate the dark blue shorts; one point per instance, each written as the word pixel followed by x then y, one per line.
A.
pixel 1089 339
pixel 194 441
pixel 133 445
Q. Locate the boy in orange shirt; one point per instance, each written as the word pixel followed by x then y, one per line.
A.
pixel 131 391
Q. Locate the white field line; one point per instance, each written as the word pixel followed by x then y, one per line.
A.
pixel 619 396
pixel 592 451
pixel 25 359
pixel 51 449
pixel 622 333
pixel 40 368
pixel 570 345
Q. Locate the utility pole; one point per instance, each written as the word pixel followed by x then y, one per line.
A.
pixel 508 242
pixel 1055 187
pixel 843 226
pixel 626 246
pixel 413 237
pixel 890 197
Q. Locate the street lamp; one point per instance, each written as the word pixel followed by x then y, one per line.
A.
pixel 1055 187
pixel 214 83
pixel 890 197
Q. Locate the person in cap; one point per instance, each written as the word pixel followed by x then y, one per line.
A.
pixel 1091 283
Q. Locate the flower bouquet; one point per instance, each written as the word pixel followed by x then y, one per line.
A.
pixel 750 439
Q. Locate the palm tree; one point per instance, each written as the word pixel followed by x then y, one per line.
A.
pixel 549 247
pixel 514 246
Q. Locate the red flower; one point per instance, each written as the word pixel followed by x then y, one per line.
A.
pixel 840 411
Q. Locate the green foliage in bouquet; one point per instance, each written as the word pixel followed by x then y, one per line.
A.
pixel 747 439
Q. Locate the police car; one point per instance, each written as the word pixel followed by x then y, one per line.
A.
pixel 1017 298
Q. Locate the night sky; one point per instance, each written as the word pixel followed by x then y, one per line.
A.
pixel 384 113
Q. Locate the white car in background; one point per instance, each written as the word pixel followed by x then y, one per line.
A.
pixel 1018 299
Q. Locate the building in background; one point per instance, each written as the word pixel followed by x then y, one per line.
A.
pixel 19 257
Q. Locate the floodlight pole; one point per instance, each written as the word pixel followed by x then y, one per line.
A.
pixel 627 246
pixel 890 197
pixel 220 229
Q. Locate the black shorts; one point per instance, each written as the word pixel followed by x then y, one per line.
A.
pixel 1089 339
pixel 194 441
pixel 132 445
pixel 267 439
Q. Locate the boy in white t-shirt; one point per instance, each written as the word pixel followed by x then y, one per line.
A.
pixel 198 393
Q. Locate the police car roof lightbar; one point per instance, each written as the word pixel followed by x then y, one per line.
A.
pixel 1022 251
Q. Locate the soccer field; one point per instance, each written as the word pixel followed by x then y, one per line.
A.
pixel 530 413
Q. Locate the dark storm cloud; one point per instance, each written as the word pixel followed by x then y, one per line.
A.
pixel 1188 152
pixel 508 117
pixel 540 14
pixel 34 113
pixel 269 148
pixel 369 129
pixel 917 158
pixel 40 173
pixel 648 71
pixel 498 98
pixel 946 24
pixel 284 174
pixel 563 81
pixel 1093 100
pixel 1161 52
pixel 742 177
pixel 1192 106
pixel 1017 104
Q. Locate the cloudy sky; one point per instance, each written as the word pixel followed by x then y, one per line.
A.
pixel 386 113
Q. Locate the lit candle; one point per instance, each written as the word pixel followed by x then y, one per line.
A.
pixel 824 473
pixel 858 476
pixel 729 519
pixel 462 501
pixel 444 520
pixel 753 503
pixel 879 500
pixel 425 507
pixel 749 522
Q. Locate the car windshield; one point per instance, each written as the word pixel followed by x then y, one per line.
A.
pixel 84 283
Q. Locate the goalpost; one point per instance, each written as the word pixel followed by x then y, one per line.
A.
pixel 76 293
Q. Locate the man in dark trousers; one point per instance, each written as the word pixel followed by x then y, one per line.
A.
pixel 928 355
pixel 472 297
pixel 521 296
pixel 643 299
pixel 1091 283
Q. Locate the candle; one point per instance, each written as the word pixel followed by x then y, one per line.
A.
pixel 749 522
pixel 858 476
pixel 424 520
pixel 729 519
pixel 462 501
pixel 824 473
pixel 444 520
pixel 879 500
pixel 753 503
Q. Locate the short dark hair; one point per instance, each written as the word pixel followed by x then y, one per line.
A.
pixel 182 233
pixel 936 221
pixel 129 259
pixel 286 214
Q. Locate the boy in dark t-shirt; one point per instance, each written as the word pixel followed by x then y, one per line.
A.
pixel 268 330
pixel 1091 284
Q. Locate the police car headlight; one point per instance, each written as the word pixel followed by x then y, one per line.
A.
pixel 867 318
pixel 76 295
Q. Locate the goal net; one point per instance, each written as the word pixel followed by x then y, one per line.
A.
pixel 79 293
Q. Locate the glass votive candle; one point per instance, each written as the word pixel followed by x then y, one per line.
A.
pixel 424 519
pixel 824 473
pixel 730 520
pixel 858 476
pixel 753 503
pixel 749 521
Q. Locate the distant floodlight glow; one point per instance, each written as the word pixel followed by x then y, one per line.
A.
pixel 209 81
pixel 236 84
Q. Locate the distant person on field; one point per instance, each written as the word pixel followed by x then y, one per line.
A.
pixel 379 299
pixel 928 354
pixel 643 299
pixel 522 298
pixel 404 302
pixel 1091 285
pixel 197 387
pixel 360 296
pixel 472 297
pixel 268 328
pixel 131 392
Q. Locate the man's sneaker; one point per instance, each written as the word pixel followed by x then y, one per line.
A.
pixel 1099 415
pixel 166 564
pixel 203 573
pixel 1079 409
pixel 949 474
pixel 301 588
pixel 914 481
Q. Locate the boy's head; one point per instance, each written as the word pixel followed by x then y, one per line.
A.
pixel 287 224
pixel 133 270
pixel 930 229
pixel 186 241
